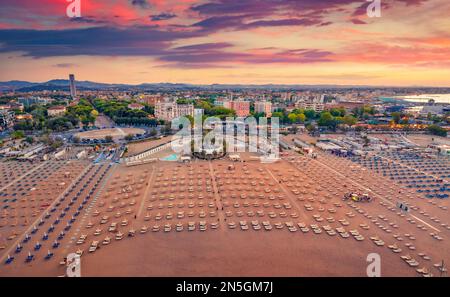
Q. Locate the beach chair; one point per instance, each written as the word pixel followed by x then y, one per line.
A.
pixel 29 258
pixel 9 260
pixel 49 255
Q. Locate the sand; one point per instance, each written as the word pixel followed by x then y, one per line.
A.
pixel 140 193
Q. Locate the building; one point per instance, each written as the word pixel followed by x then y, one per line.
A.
pixel 6 119
pixel 314 105
pixel 135 106
pixel 265 107
pixel 242 108
pixel 21 117
pixel 33 100
pixel 170 110
pixel 347 105
pixel 57 110
pixel 150 99
pixel 11 106
pixel 432 109
pixel 73 88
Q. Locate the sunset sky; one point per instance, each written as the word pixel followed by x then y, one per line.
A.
pixel 227 41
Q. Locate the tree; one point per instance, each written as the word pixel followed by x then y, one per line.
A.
pixel 258 115
pixel 292 118
pixel 326 119
pixel 191 119
pixel 337 112
pixel 108 138
pixel 310 114
pixel 184 101
pixel 153 132
pixel 301 118
pixel 311 128
pixel 149 109
pixel 24 125
pixel 357 112
pixel 18 134
pixel 85 120
pixel 94 113
pixel 396 116
pixel 59 124
pixel 29 139
pixel 56 143
pixel 349 120
pixel 129 137
pixel 369 110
pixel 76 139
pixel 298 111
pixel 277 114
pixel 437 130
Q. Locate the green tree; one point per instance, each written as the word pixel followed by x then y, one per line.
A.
pixel 29 139
pixel 349 120
pixel 311 128
pixel 277 114
pixel 310 114
pixel 191 120
pixel 19 134
pixel 301 118
pixel 396 116
pixel 326 119
pixel 337 112
pixel 292 118
pixel 153 132
pixel 437 130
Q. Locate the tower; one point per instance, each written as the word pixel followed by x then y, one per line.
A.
pixel 73 89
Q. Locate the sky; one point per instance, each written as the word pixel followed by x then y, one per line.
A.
pixel 228 41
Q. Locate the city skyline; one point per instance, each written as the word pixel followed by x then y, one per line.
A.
pixel 229 42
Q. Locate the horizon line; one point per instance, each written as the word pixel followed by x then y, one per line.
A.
pixel 239 84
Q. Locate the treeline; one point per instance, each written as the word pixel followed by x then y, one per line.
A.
pixel 437 130
pixel 328 118
pixel 136 121
pixel 121 114
pixel 82 112
pixel 120 109
pixel 210 110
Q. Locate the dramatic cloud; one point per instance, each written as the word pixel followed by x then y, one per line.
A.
pixel 162 16
pixel 300 36
pixel 87 20
pixel 358 22
pixel 219 54
pixel 64 65
pixel 140 3
pixel 97 41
